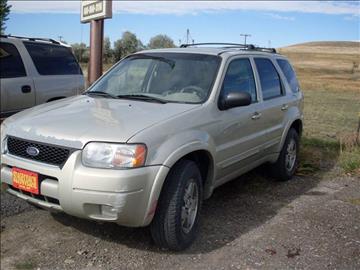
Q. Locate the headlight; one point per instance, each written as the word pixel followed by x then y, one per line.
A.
pixel 111 155
pixel 3 139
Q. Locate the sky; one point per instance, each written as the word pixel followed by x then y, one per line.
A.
pixel 274 23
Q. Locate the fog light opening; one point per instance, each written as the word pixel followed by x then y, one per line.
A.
pixel 109 211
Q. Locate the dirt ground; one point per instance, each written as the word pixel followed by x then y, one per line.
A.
pixel 250 223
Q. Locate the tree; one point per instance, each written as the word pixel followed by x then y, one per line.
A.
pixel 108 52
pixel 4 13
pixel 126 45
pixel 161 41
pixel 81 52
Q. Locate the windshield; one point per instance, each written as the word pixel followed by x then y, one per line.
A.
pixel 169 77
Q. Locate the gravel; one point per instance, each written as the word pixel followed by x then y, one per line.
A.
pixel 249 223
pixel 11 205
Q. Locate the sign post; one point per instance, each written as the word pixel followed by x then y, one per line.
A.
pixel 95 11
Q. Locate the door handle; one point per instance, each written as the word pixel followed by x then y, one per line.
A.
pixel 284 107
pixel 26 89
pixel 256 116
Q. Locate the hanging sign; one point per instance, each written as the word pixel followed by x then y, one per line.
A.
pixel 95 10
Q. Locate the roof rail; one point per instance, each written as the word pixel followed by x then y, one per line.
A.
pixel 228 45
pixel 232 46
pixel 33 39
pixel 271 50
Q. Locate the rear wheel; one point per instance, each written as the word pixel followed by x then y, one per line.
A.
pixel 176 220
pixel 288 160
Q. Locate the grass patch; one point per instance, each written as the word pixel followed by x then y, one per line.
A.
pixel 25 265
pixel 329 146
pixel 350 161
pixel 319 155
pixel 329 113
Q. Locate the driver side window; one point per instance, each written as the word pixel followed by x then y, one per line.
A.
pixel 239 77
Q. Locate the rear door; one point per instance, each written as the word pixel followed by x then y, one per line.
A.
pixel 58 73
pixel 17 88
pixel 275 102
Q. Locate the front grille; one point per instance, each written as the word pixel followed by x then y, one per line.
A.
pixel 49 154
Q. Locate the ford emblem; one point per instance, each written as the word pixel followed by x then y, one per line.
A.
pixel 32 151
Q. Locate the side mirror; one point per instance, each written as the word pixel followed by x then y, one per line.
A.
pixel 234 99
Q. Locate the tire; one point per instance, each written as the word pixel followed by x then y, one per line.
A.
pixel 168 228
pixel 285 167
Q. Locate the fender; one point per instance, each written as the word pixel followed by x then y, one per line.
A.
pixel 199 141
pixel 187 149
pixel 286 130
pixel 167 150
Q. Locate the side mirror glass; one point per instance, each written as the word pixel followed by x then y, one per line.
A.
pixel 234 99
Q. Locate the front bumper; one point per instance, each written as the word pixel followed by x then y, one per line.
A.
pixel 121 196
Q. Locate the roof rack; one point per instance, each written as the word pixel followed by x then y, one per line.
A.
pixel 33 39
pixel 232 46
pixel 227 45
pixel 270 50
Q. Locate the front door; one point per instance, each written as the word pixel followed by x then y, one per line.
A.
pixel 241 133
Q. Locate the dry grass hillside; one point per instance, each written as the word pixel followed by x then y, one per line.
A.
pixel 326 65
pixel 329 75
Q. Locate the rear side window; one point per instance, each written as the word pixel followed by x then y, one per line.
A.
pixel 240 78
pixel 289 74
pixel 269 78
pixel 53 59
pixel 11 64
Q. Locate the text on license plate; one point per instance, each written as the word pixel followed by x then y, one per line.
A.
pixel 25 180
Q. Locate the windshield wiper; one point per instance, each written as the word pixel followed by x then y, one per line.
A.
pixel 143 98
pixel 100 93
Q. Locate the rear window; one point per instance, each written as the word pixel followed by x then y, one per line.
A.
pixel 53 59
pixel 11 64
pixel 269 78
pixel 289 73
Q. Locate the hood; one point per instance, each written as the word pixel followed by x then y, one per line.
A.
pixel 75 121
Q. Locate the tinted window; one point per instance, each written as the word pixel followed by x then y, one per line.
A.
pixel 11 65
pixel 289 74
pixel 52 59
pixel 240 77
pixel 269 78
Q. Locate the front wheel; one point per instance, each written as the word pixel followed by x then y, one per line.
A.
pixel 288 160
pixel 176 220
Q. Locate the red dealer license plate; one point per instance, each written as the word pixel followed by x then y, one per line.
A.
pixel 25 180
